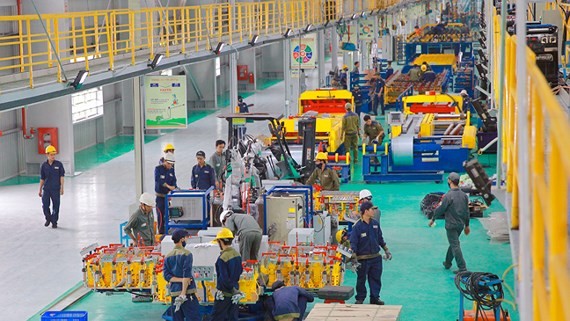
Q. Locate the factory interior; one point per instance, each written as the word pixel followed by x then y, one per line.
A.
pixel 381 160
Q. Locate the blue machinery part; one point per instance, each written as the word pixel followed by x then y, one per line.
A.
pixel 423 159
pixel 203 196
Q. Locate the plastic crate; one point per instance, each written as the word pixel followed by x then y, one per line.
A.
pixel 64 316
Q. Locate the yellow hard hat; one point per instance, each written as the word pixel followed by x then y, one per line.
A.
pixel 339 235
pixel 322 156
pixel 423 68
pixel 168 146
pixel 224 233
pixel 344 67
pixel 51 150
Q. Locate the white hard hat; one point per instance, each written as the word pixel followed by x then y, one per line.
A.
pixel 148 199
pixel 464 92
pixel 364 194
pixel 225 214
pixel 169 157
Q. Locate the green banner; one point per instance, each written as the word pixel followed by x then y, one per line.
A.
pixel 165 102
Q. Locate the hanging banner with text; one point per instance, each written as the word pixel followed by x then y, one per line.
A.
pixel 366 31
pixel 304 52
pixel 165 102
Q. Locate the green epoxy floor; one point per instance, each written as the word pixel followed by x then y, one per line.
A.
pixel 415 278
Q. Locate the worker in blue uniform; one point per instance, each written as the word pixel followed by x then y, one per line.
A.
pixel 228 272
pixel 51 186
pixel 203 175
pixel 289 302
pixel 164 182
pixel 389 70
pixel 365 241
pixel 178 273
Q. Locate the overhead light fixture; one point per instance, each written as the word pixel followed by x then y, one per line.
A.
pixel 287 33
pixel 80 79
pixel 354 16
pixel 253 40
pixel 363 14
pixel 340 20
pixel 327 23
pixel 482 34
pixel 219 48
pixel 482 43
pixel 156 61
pixel 309 27
pixel 372 13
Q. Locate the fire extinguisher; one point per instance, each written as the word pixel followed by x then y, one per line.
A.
pixel 251 79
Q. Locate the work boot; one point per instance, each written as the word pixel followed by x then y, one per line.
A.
pixel 446 266
pixel 376 302
pixel 359 302
pixel 54 225
pixel 47 223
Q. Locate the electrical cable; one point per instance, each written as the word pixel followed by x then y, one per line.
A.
pixel 486 289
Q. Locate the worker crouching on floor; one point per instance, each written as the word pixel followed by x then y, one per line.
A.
pixel 140 227
pixel 365 241
pixel 246 228
pixel 228 272
pixel 178 274
pixel 289 302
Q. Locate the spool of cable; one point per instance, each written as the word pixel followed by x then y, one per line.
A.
pixel 403 150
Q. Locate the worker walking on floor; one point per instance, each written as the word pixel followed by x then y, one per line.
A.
pixel 365 241
pixel 51 186
pixel 140 227
pixel 351 132
pixel 454 208
pixel 178 273
pixel 246 228
pixel 228 272
pixel 203 175
pixel 164 183
pixel 289 302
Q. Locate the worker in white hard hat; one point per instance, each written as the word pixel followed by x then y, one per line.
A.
pixel 51 186
pixel 246 228
pixel 466 100
pixel 140 227
pixel 366 196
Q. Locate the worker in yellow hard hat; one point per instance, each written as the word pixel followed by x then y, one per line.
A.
pixel 228 272
pixel 51 186
pixel 344 76
pixel 168 148
pixel 323 175
pixel 342 238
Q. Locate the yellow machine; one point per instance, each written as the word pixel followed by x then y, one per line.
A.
pixel 329 107
pixel 437 59
pixel 436 103
pixel 341 203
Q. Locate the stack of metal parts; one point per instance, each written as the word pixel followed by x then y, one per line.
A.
pixel 341 203
pixel 497 226
pixel 116 268
pixel 310 267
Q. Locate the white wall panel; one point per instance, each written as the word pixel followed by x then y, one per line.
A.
pixel 85 134
pixel 8 155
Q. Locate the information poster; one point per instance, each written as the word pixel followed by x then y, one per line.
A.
pixel 304 52
pixel 165 102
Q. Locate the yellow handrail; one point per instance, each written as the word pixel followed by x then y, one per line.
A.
pixel 548 128
pixel 112 36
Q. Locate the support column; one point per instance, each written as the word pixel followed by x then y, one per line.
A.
pixel 523 175
pixel 139 136
pixel 233 81
pixel 321 58
pixel 287 75
pixel 334 52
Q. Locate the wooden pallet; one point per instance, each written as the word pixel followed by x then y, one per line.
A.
pixel 360 312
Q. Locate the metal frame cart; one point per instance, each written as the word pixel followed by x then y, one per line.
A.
pixel 188 219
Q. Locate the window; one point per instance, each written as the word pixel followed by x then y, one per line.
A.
pixel 87 104
pixel 166 72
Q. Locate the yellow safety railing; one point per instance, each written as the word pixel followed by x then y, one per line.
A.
pixel 548 128
pixel 82 39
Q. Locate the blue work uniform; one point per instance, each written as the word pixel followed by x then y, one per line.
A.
pixel 343 78
pixel 228 272
pixel 389 72
pixel 379 100
pixel 162 176
pixel 203 177
pixel 178 263
pixel 51 175
pixel 290 302
pixel 365 241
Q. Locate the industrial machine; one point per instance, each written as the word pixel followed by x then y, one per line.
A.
pixel 286 208
pixel 542 39
pixel 422 147
pixel 486 292
pixel 188 209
